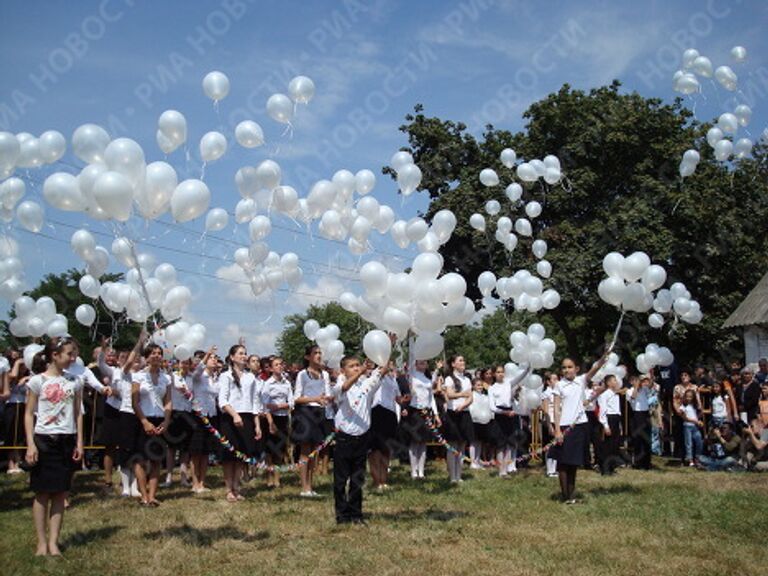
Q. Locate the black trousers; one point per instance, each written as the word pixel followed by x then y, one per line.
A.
pixel 641 439
pixel 610 457
pixel 349 457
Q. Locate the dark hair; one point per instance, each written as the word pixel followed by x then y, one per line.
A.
pixel 231 364
pixel 199 354
pixel 451 360
pixel 610 377
pixel 265 362
pixel 309 350
pixel 250 357
pixel 41 360
pixel 151 347
pixel 347 359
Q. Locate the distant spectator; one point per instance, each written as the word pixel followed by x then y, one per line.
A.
pixel 756 450
pixel 762 373
pixel 750 395
pixel 724 449
pixel 692 426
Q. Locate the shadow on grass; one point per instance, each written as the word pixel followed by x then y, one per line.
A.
pixel 85 537
pixel 206 537
pixel 411 515
pixel 624 489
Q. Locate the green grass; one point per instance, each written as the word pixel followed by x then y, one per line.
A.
pixel 669 521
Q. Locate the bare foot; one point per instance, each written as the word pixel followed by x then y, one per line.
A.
pixel 53 550
pixel 42 550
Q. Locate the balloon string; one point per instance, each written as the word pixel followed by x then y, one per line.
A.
pixel 616 332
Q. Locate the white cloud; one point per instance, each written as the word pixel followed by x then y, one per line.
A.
pixel 326 289
pixel 256 342
pixel 234 280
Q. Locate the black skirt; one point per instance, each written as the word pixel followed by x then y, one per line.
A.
pixel 54 468
pixel 275 444
pixel 110 427
pixel 457 426
pixel 243 438
pixel 482 432
pixel 202 441
pixel 383 429
pixel 571 451
pixel 504 430
pixel 180 430
pixel 415 425
pixel 136 445
pixel 308 425
pixel 13 420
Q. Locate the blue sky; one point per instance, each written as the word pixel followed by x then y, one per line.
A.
pixel 121 63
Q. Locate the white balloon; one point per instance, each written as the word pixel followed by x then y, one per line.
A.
pixel 523 227
pixel 687 83
pixel 488 177
pixel 727 78
pixel 61 190
pixel 365 180
pixel 301 89
pixel 739 54
pixel 550 299
pixel 728 123
pixel 526 172
pixel 703 66
pixel 742 148
pixel 416 229
pixel 385 218
pixel 280 108
pixel 159 184
pixel 486 282
pixel 172 125
pixel 125 156
pixel 377 347
pixel 477 221
pixel 368 206
pixel 492 207
pixel 743 113
pixel 634 266
pixel 216 219
pixel 691 157
pixel 508 157
pixel 285 199
pixel 52 145
pixel 544 268
pixel 427 345
pixel 83 243
pixel 89 286
pixel 689 57
pixel 89 142
pixel 373 276
pixel 190 199
pixel 213 145
pixel 400 287
pixel 426 266
pixel 259 228
pixel 30 215
pixel 310 328
pixel 723 150
pixel 655 320
pixel 714 135
pixel 400 159
pixel 514 192
pixel 249 134
pixel 216 85
pixel 539 248
pixel 533 209
pixel 409 179
pixel 113 193
pixel 85 314
pixel 654 277
pixel 612 290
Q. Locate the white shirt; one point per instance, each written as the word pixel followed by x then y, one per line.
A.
pixel 353 416
pixel 422 394
pixel 306 385
pixel 89 378
pixel 719 407
pixel 691 415
pixel 181 385
pixel 610 404
pixel 502 394
pixel 152 396
pixel 243 399
pixel 55 403
pixel 639 400
pixel 572 395
pixel 276 391
pixel 549 394
pixel 205 390
pixel 480 409
pixel 124 385
pixel 387 394
pixel 114 375
pixel 466 386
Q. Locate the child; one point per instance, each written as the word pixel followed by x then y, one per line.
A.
pixel 54 440
pixel 505 430
pixel 548 420
pixel 353 396
pixel 720 406
pixel 689 412
pixel 311 396
pixel 422 399
pixel 277 402
pixel 571 428
pixel 205 390
pixel 458 424
pixel 639 397
pixel 481 414
pixel 610 420
pixel 385 416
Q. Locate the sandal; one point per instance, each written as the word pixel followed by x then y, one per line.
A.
pixel 231 497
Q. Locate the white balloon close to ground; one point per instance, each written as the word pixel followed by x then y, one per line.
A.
pixel 216 85
pixel 377 347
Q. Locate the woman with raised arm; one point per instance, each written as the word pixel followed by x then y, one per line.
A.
pixel 571 428
pixel 54 429
pixel 205 391
pixel 151 402
pixel 240 409
pixel 506 424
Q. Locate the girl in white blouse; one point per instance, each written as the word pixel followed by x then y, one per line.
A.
pixel 240 409
pixel 205 391
pixel 277 403
pixel 151 400
pixel 54 439
pixel 422 399
pixel 458 423
pixel 505 431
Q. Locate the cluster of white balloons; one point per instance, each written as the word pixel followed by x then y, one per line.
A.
pixel 653 356
pixel 186 338
pixel 281 108
pixel 427 237
pixel 532 348
pixel 267 270
pixel 171 130
pixel 327 338
pixel 632 284
pixel 24 150
pixel 547 169
pixel 685 81
pixel 421 301
pixel 408 174
pixel 610 368
pixel 37 318
pixel 11 269
pixel 523 288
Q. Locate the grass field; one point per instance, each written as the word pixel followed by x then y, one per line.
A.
pixel 666 521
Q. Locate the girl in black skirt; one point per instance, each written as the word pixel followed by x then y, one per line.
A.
pixel 151 401
pixel 54 440
pixel 311 396
pixel 277 402
pixel 422 401
pixel 15 394
pixel 505 429
pixel 482 419
pixel 571 424
pixel 384 421
pixel 205 389
pixel 457 388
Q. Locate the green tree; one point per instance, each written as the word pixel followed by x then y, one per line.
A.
pixel 292 342
pixel 619 153
pixel 63 289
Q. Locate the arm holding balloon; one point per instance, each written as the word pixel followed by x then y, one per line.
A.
pixel 599 364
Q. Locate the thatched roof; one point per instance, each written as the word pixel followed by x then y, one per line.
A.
pixel 753 310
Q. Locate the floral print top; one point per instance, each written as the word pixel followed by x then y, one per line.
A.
pixel 55 403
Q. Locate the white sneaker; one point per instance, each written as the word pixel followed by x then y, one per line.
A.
pixel 126 494
pixel 135 492
pixel 474 466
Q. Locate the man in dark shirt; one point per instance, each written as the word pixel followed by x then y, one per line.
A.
pixel 724 449
pixel 762 373
pixel 750 394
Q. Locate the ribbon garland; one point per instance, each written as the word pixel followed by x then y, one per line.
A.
pixel 260 464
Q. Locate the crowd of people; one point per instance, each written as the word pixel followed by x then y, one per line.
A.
pixel 252 414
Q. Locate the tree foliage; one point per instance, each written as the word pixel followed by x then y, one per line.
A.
pixel 292 342
pixel 619 153
pixel 63 289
